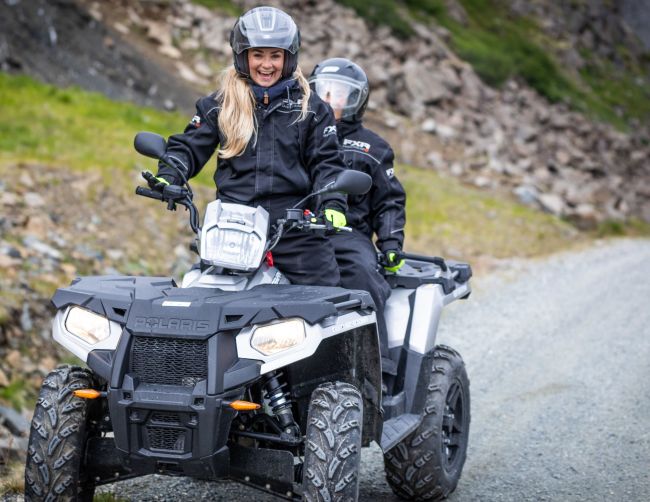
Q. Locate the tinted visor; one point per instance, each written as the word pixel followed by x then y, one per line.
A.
pixel 265 27
pixel 342 93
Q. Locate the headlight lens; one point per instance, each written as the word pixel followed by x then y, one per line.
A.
pixel 274 338
pixel 233 249
pixel 86 325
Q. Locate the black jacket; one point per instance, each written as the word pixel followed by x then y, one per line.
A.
pixel 286 161
pixel 382 209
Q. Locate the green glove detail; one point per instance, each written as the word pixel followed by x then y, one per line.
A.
pixel 394 261
pixel 155 182
pixel 336 217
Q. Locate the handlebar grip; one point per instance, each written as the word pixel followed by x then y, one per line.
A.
pixel 318 226
pixel 146 192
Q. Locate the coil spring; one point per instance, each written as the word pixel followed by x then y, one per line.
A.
pixel 278 398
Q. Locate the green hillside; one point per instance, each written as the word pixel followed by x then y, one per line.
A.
pixel 500 45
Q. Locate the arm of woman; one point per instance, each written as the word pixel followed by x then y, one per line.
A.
pixel 322 155
pixel 194 147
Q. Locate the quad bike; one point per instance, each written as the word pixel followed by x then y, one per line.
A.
pixel 238 374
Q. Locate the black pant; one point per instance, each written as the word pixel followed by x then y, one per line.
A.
pixel 357 260
pixel 306 258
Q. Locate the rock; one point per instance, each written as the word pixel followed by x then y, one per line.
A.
pixel 421 83
pixel 551 203
pixel 14 359
pixel 40 247
pixel 8 262
pixel 26 180
pixel 203 69
pixel 445 132
pixel 115 254
pixel 121 28
pixel 159 32
pixel 69 269
pixel 429 125
pixel 171 52
pixel 4 381
pixel 456 169
pixel 436 160
pixel 188 74
pixel 14 421
pixel 47 364
pixel 482 182
pixel 26 319
pixel 32 199
pixel 563 157
pixel 8 199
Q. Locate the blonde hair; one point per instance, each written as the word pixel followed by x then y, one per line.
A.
pixel 237 120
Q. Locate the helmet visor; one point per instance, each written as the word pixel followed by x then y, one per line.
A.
pixel 265 27
pixel 341 93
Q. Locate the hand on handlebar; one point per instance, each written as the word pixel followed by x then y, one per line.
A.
pixel 393 260
pixel 157 183
pixel 334 220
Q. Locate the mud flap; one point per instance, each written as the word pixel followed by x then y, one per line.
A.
pixel 269 470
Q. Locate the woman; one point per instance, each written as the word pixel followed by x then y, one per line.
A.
pixel 276 140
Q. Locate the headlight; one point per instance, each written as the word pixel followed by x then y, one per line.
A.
pixel 233 248
pixel 277 337
pixel 86 325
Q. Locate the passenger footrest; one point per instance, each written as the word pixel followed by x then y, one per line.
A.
pixel 397 429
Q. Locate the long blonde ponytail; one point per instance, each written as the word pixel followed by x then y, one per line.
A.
pixel 237 115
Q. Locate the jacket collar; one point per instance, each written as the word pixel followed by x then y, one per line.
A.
pixel 345 128
pixel 281 88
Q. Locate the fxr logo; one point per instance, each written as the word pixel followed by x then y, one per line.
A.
pixel 171 323
pixel 357 144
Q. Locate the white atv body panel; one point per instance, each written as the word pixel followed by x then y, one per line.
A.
pixel 428 303
pixel 232 282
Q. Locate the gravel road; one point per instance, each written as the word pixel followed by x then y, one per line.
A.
pixel 558 354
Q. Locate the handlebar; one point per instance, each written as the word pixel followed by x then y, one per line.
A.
pixel 174 194
pixel 146 192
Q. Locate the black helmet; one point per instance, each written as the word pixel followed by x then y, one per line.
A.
pixel 265 27
pixel 345 78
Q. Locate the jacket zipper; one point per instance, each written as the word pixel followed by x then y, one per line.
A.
pixel 266 97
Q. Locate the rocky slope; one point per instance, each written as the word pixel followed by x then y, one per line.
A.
pixel 430 104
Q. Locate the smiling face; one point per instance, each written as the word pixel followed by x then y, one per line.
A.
pixel 265 65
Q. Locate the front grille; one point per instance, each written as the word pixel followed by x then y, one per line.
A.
pixel 170 361
pixel 163 438
pixel 166 417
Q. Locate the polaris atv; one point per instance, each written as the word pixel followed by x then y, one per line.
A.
pixel 238 374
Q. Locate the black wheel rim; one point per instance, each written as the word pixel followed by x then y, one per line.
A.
pixel 453 426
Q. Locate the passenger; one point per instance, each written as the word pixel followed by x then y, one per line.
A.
pixel 276 141
pixel 344 85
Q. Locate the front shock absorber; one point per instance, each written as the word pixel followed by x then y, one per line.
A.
pixel 280 402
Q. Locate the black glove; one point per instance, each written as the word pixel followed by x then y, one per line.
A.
pixel 393 260
pixel 158 183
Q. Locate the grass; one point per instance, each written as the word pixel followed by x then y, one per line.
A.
pixel 81 130
pixel 445 217
pixel 12 478
pixel 19 394
pixel 225 6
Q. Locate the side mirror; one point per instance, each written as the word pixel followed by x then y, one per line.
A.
pixel 351 182
pixel 150 144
